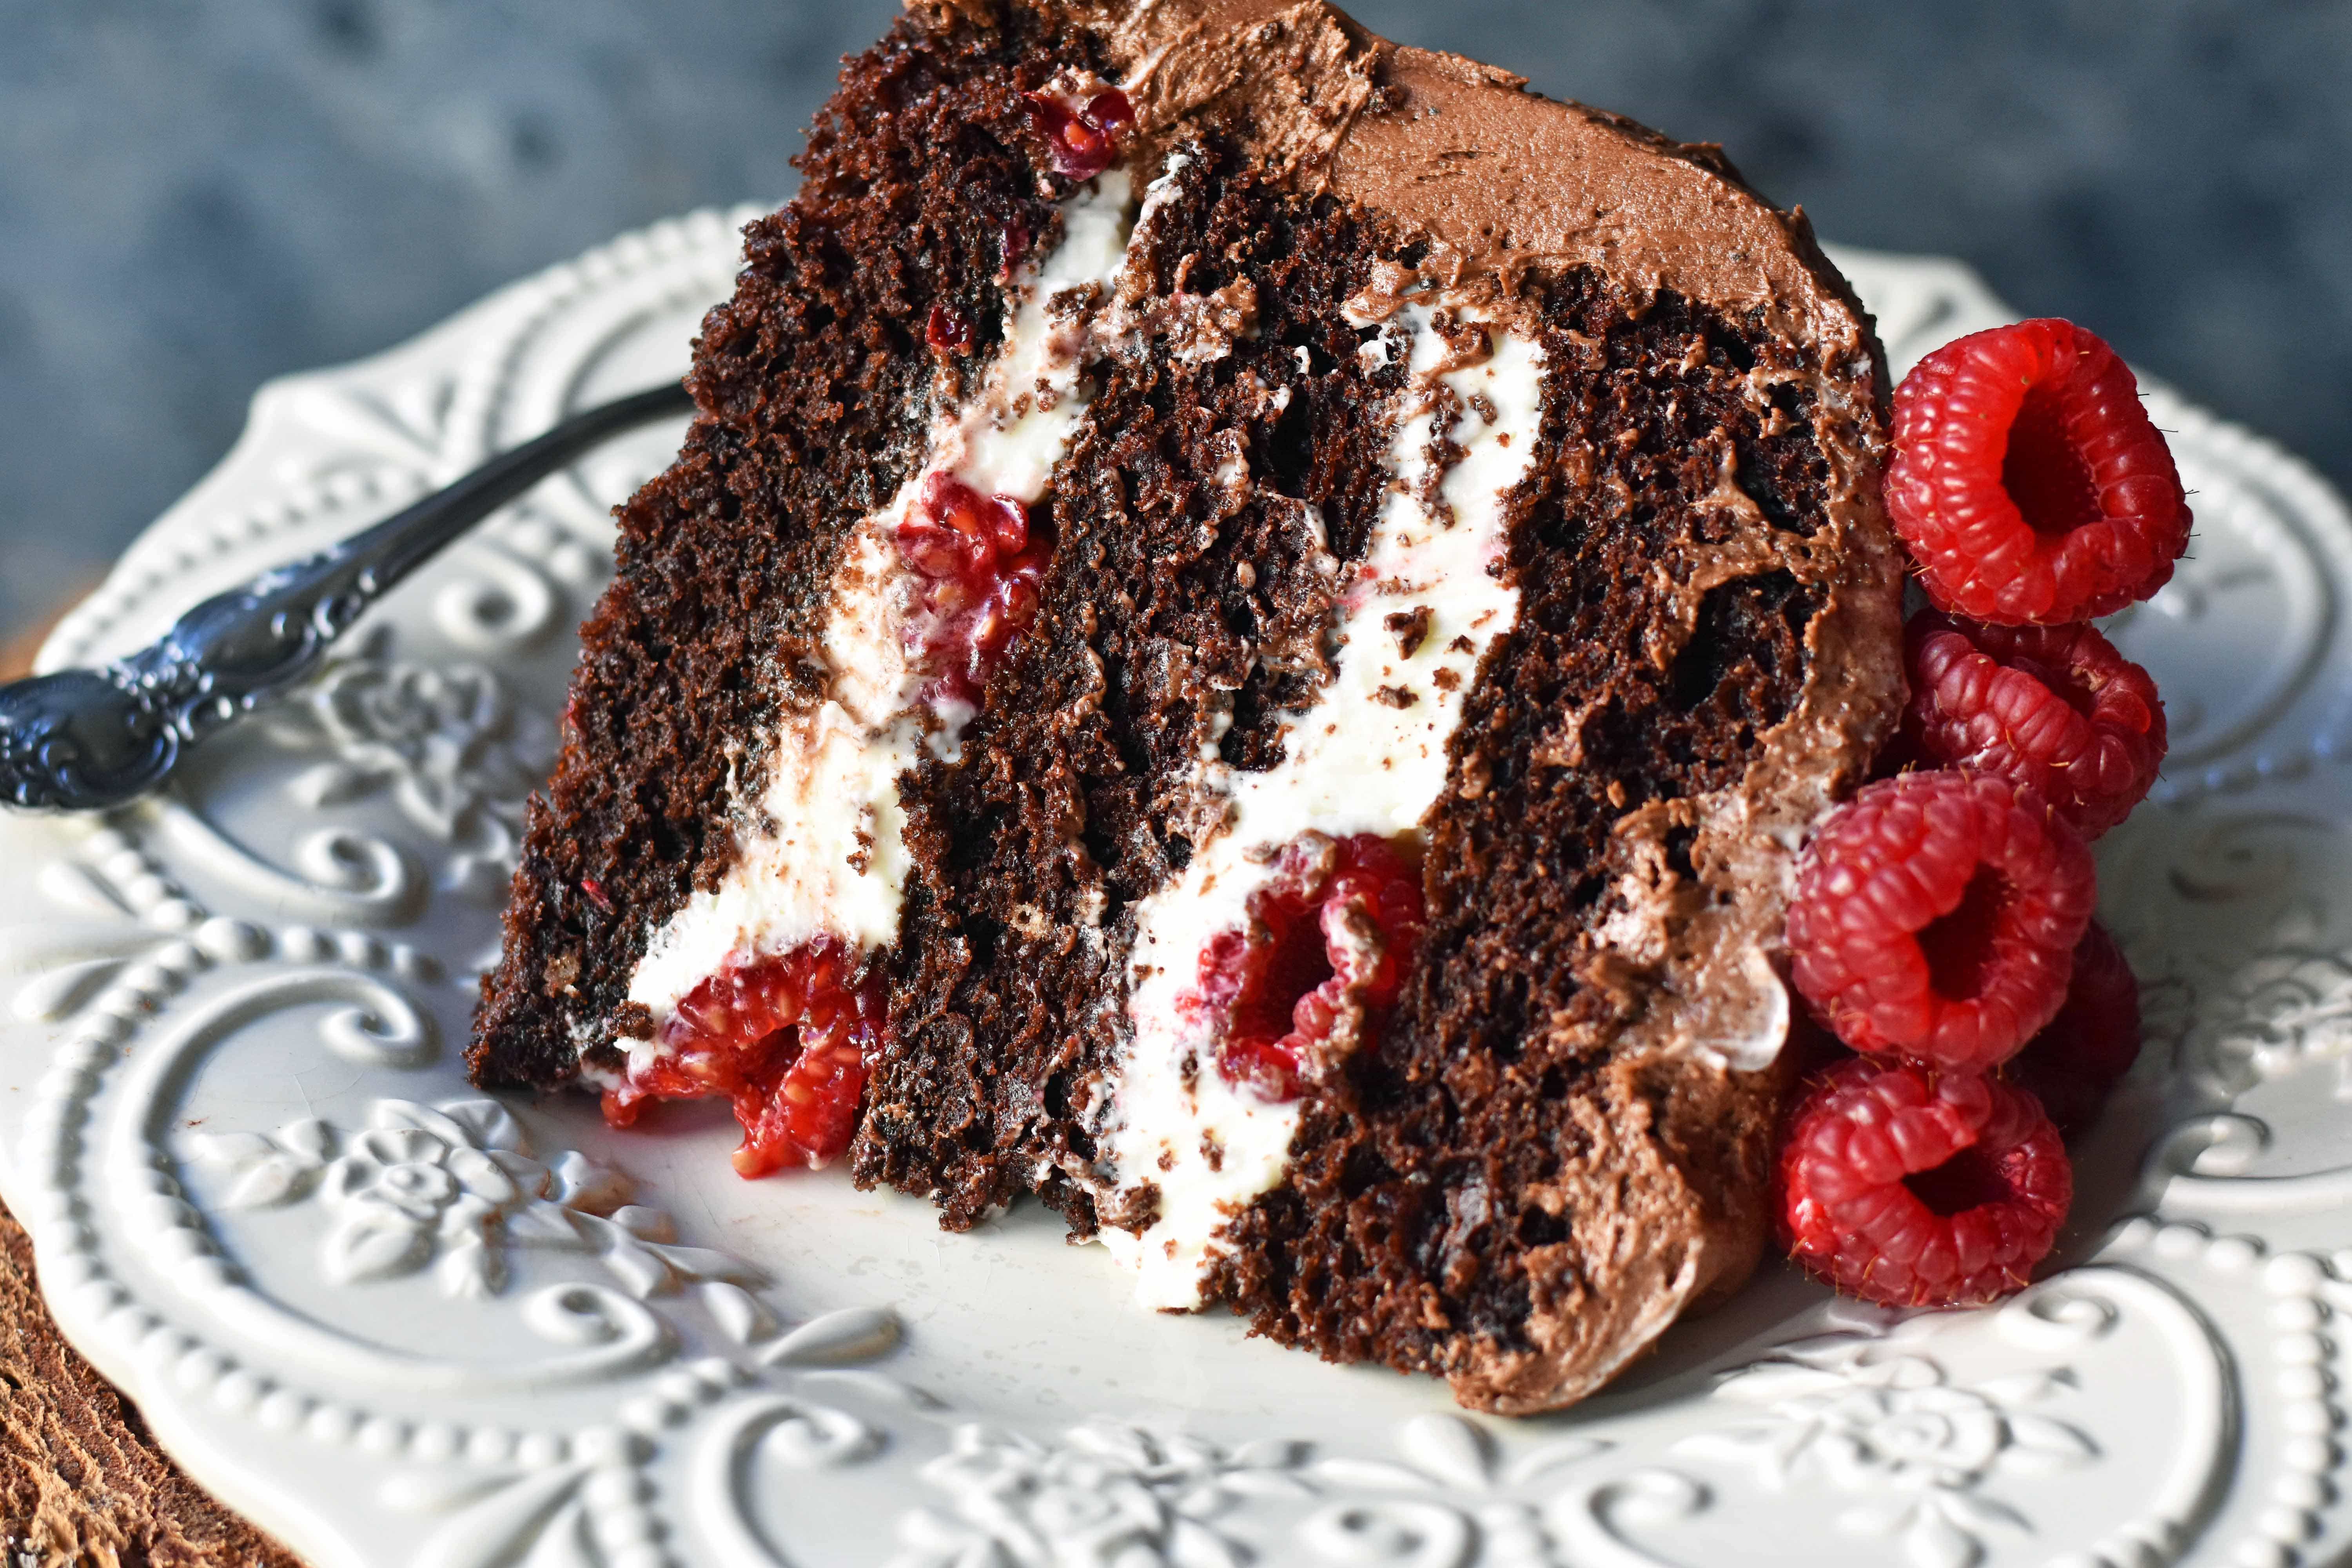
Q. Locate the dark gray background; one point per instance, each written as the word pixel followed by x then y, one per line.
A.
pixel 198 194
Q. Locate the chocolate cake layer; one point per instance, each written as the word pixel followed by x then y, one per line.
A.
pixel 1556 1139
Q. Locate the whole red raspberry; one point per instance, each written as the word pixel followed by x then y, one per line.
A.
pixel 2056 707
pixel 2075 1062
pixel 2028 482
pixel 1917 1188
pixel 1936 916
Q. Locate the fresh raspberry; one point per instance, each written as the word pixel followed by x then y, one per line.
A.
pixel 1330 936
pixel 1082 133
pixel 985 572
pixel 787 1040
pixel 2075 1062
pixel 1918 1188
pixel 1936 916
pixel 2055 708
pixel 2029 481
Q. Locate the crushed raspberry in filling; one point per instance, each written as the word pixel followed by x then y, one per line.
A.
pixel 1082 133
pixel 947 330
pixel 787 1040
pixel 1329 942
pixel 983 569
pixel 1013 245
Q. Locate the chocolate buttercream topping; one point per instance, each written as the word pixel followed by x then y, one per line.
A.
pixel 1499 179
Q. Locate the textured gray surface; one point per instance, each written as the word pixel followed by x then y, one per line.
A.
pixel 198 194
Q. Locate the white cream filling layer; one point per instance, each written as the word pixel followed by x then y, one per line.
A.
pixel 1368 757
pixel 822 851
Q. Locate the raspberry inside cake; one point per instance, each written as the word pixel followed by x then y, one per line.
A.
pixel 1242 645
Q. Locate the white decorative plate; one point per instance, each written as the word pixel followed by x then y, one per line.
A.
pixel 399 1323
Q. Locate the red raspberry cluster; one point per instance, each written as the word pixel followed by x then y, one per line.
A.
pixel 1941 921
pixel 1330 937
pixel 983 570
pixel 788 1041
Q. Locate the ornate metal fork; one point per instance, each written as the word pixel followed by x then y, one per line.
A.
pixel 82 740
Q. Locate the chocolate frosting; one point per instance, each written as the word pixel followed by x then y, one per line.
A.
pixel 1499 179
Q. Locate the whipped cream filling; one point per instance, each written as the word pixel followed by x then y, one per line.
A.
pixel 821 850
pixel 1370 756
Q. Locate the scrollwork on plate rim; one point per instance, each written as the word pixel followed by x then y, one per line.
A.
pixel 63 1139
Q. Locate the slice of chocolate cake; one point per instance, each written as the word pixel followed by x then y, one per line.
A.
pixel 1243 643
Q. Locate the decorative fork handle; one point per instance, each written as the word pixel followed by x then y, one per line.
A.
pixel 81 739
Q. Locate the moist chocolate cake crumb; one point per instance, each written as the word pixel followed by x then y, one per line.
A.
pixel 1555 1139
pixel 1410 629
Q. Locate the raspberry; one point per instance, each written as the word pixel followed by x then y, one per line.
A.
pixel 985 573
pixel 1329 938
pixel 2056 707
pixel 2077 1059
pixel 2029 481
pixel 1914 1188
pixel 1012 243
pixel 1936 916
pixel 947 330
pixel 811 1114
pixel 787 1040
pixel 1082 134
